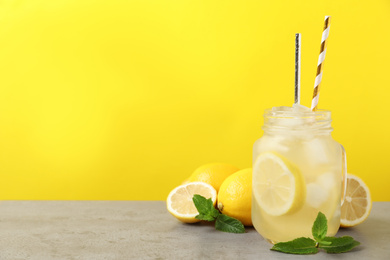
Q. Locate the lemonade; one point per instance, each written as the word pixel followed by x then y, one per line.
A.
pixel 297 171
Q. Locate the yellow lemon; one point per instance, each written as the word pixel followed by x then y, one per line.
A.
pixel 278 185
pixel 213 173
pixel 235 196
pixel 180 204
pixel 357 204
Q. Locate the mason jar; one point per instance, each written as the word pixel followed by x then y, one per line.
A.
pixel 298 171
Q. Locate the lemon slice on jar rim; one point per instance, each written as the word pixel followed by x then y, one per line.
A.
pixel 278 185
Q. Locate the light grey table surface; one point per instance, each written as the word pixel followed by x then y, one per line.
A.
pixel 145 230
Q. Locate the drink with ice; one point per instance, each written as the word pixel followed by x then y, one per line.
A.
pixel 298 170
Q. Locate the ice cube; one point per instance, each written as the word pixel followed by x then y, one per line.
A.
pixel 327 181
pixel 300 108
pixel 316 151
pixel 316 195
pixel 276 143
pixel 291 122
pixel 281 108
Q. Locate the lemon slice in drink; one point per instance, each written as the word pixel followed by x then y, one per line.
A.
pixel 180 204
pixel 278 186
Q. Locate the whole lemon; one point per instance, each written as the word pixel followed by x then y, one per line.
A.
pixel 213 173
pixel 235 196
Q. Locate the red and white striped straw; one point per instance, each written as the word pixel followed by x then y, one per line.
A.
pixel 320 65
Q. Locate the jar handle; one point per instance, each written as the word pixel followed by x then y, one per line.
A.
pixel 344 174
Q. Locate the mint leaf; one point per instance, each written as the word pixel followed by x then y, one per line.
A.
pixel 229 224
pixel 339 244
pixel 302 246
pixel 320 227
pixel 205 208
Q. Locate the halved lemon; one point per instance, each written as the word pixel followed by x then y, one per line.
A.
pixel 278 186
pixel 357 204
pixel 180 204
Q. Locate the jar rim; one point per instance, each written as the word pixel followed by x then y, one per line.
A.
pixel 319 114
pixel 285 118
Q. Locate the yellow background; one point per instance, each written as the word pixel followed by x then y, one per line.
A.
pixel 124 99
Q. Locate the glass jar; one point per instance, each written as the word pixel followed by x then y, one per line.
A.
pixel 298 170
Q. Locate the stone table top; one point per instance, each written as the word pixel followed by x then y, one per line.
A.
pixel 145 230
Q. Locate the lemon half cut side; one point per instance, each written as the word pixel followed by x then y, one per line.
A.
pixel 278 186
pixel 180 203
pixel 357 203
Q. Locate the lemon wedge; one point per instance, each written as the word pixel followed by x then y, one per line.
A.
pixel 278 186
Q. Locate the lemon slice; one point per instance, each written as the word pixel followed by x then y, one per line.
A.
pixel 180 204
pixel 357 204
pixel 278 186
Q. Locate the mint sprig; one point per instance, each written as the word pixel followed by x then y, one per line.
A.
pixel 223 222
pixel 305 245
